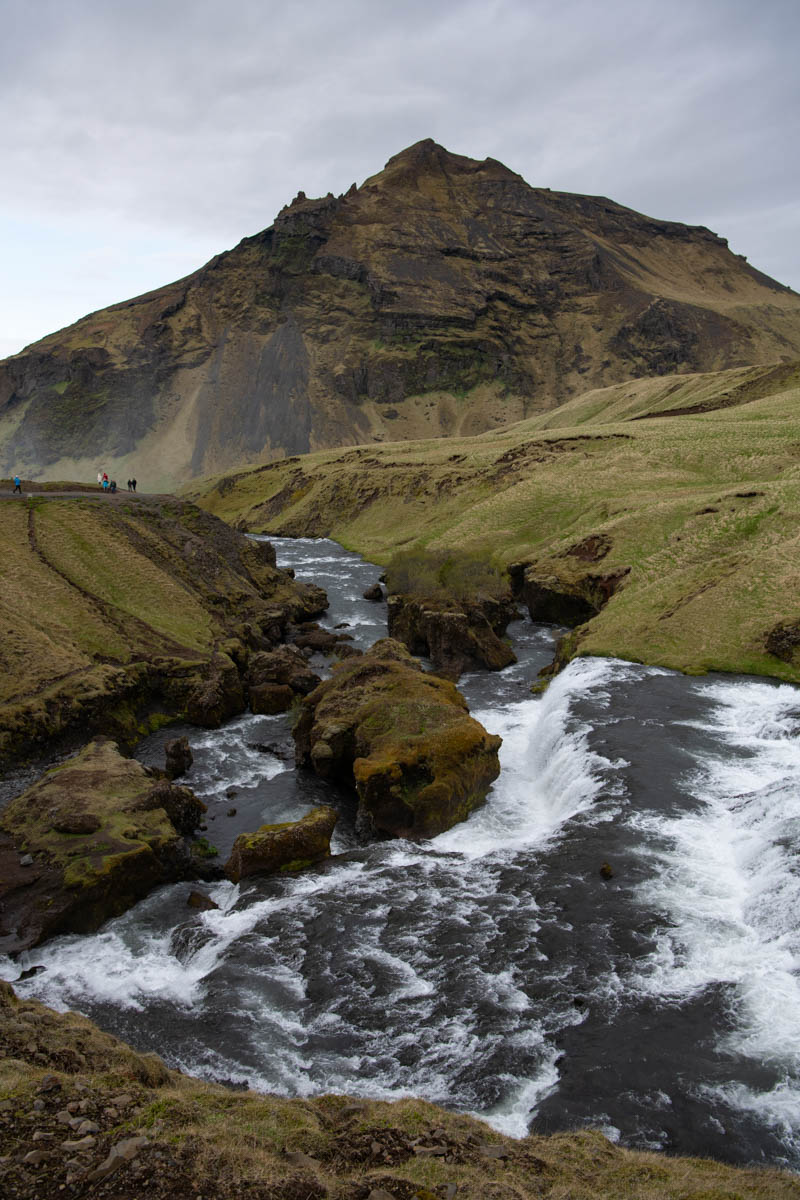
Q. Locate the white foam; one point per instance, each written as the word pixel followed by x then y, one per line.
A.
pixel 725 877
pixel 549 773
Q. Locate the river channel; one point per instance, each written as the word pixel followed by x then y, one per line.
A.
pixel 496 969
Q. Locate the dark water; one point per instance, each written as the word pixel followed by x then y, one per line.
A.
pixel 494 969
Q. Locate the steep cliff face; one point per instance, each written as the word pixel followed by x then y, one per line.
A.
pixel 443 296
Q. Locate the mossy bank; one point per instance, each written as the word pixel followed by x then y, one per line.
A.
pixel 82 1114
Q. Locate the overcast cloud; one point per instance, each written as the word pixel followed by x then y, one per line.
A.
pixel 140 137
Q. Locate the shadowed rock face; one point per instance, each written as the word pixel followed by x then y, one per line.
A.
pixel 444 295
pixel 403 739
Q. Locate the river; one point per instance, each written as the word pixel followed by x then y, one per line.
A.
pixel 496 969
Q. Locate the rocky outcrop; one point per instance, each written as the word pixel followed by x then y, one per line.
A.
pixel 402 739
pixel 276 678
pixel 783 640
pixel 289 846
pixel 457 635
pixel 218 697
pixel 88 840
pixel 567 599
pixel 179 757
pixel 449 278
pixel 311 636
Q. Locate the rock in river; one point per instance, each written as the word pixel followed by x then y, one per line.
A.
pixel 403 739
pixel 101 832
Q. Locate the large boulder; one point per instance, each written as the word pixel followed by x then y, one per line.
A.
pixel 285 847
pixel 404 740
pixel 275 678
pixel 86 842
pixel 457 635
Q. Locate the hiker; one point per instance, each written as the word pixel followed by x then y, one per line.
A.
pixel 133 485
pixel 17 484
pixel 113 486
pixel 99 478
pixel 105 483
pixel 129 485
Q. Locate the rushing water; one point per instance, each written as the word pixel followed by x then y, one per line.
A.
pixel 495 969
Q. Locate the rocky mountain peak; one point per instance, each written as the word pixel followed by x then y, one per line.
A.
pixel 442 296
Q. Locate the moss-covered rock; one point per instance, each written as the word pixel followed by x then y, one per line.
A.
pixel 456 634
pixel 285 847
pixel 89 839
pixel 403 739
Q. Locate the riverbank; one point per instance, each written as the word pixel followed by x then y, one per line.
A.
pixel 81 1114
pixel 662 512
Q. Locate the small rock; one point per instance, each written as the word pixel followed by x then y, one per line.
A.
pixel 380 1194
pixel 607 871
pixel 36 1157
pixel 64 1116
pixel 178 757
pixel 38 1105
pixel 88 1127
pixel 74 1106
pixel 85 1143
pixel 122 1100
pixel 201 901
pixel 26 860
pixel 232 812
pixel 41 1135
pixel 492 1150
pixel 373 593
pixel 298 1159
pixel 124 1151
pixel 49 1083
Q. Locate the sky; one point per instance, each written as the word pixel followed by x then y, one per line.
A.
pixel 141 137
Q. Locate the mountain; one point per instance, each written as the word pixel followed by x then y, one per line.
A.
pixel 444 296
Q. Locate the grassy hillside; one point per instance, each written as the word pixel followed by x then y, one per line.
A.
pixel 691 483
pixel 110 607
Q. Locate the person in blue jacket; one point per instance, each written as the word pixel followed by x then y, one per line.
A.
pixel 17 484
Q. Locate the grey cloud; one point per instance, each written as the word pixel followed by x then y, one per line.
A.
pixel 201 118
